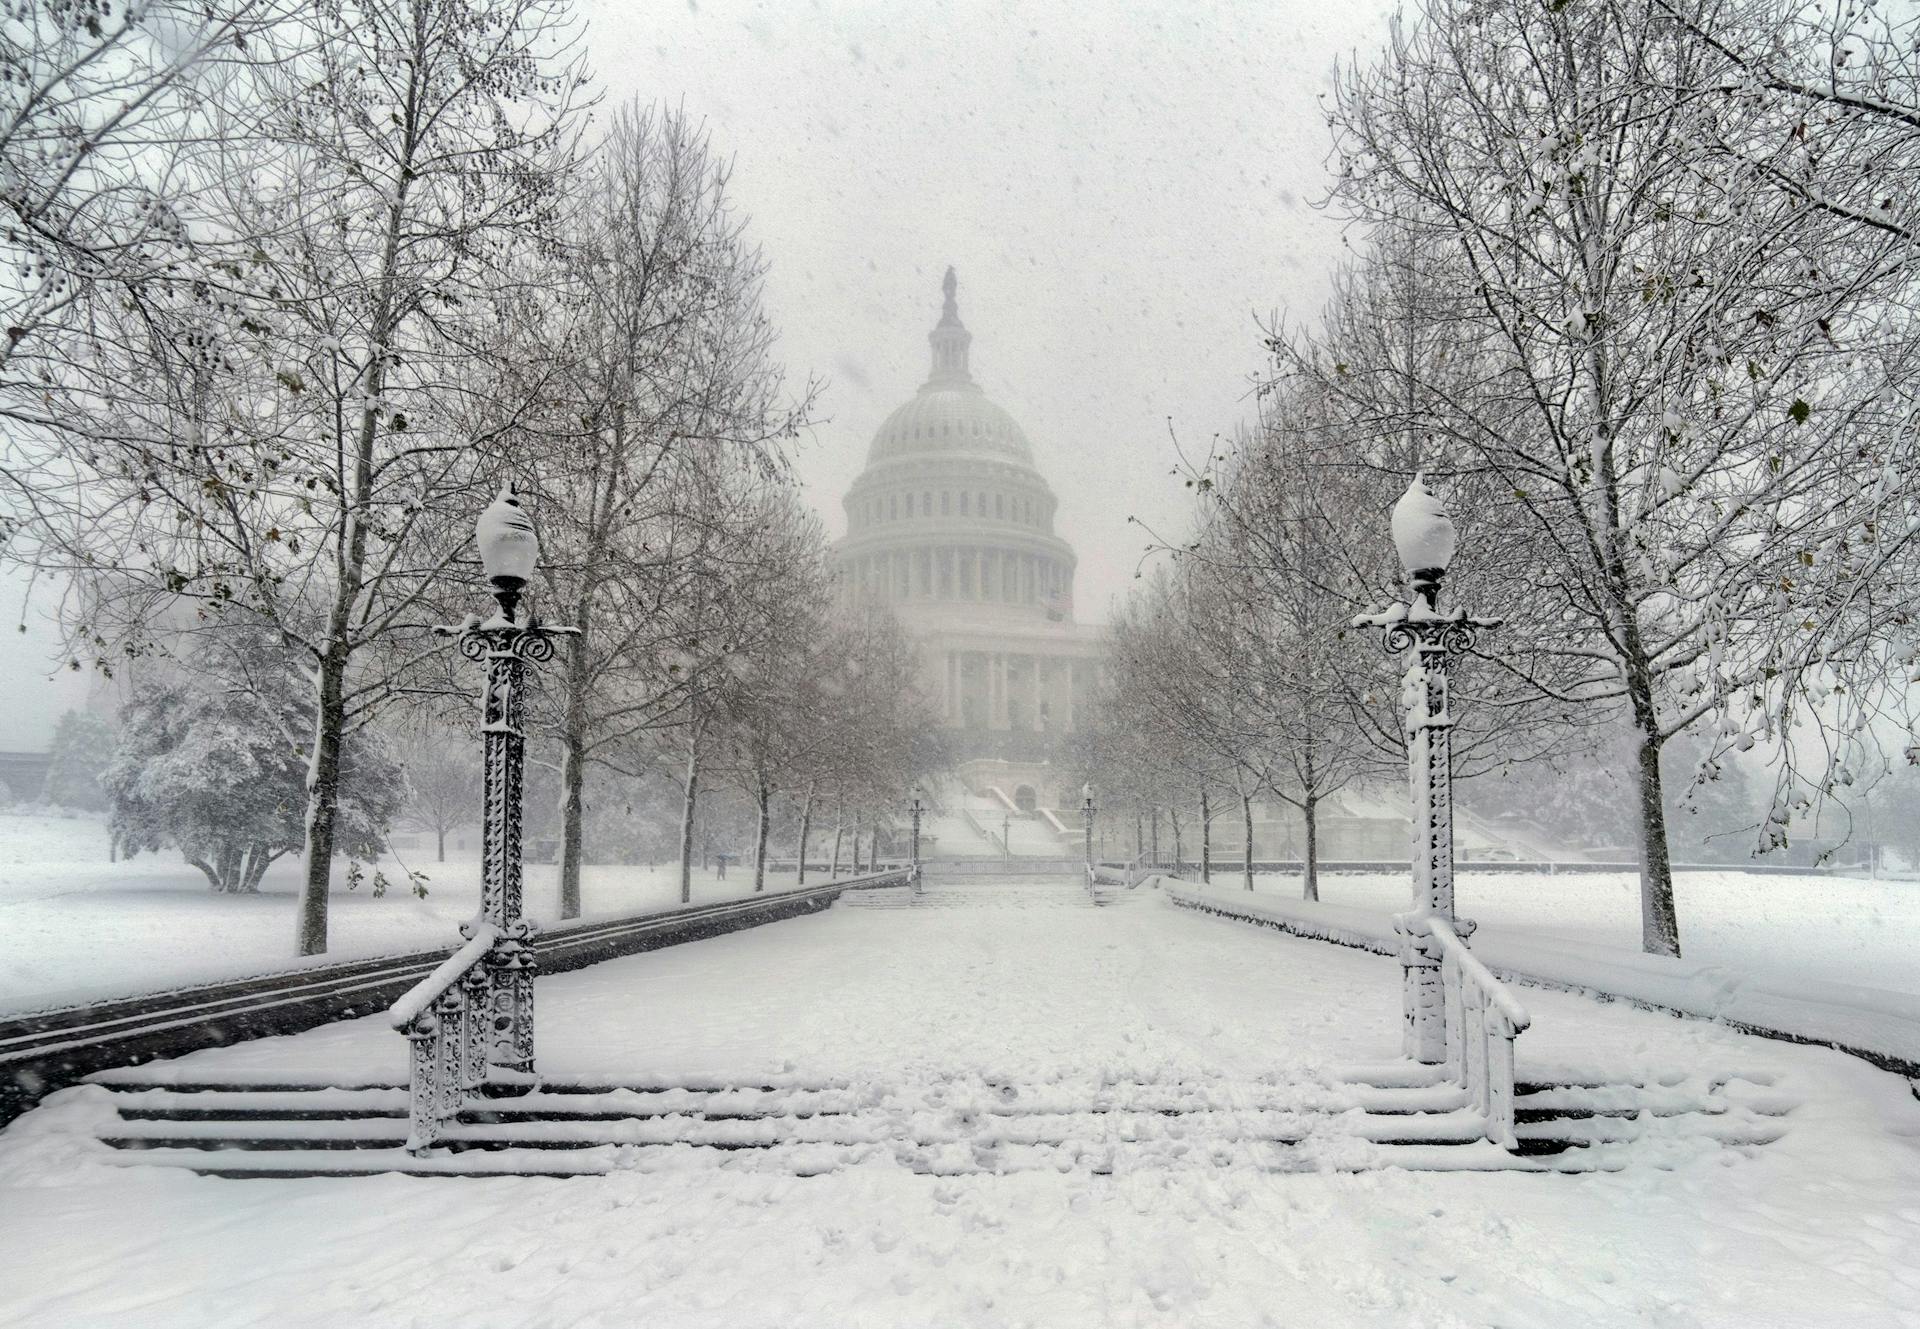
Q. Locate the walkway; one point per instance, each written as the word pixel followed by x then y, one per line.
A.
pixel 978 990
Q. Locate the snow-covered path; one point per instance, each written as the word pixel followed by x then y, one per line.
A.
pixel 1019 985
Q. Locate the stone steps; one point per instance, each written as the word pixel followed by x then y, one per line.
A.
pixel 943 1127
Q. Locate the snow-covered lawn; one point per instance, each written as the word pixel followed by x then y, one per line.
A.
pixel 1819 1228
pixel 75 927
pixel 1839 929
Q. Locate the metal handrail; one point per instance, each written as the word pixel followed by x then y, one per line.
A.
pixel 1483 1019
pixel 450 970
pixel 444 1017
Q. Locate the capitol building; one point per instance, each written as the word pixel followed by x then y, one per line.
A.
pixel 951 526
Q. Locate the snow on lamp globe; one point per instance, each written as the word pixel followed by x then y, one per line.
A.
pixel 508 547
pixel 1423 535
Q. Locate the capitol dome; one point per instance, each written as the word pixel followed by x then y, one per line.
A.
pixel 950 509
pixel 951 526
pixel 950 414
pixel 950 419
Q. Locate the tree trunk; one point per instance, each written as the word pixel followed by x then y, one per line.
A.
pixel 806 828
pixel 194 857
pixel 1154 842
pixel 760 840
pixel 689 803
pixel 1246 814
pixel 1659 920
pixel 1310 868
pixel 330 711
pixel 856 846
pixel 262 860
pixel 1206 837
pixel 1179 850
pixel 573 767
pixel 839 831
pixel 323 787
pixel 440 844
pixel 572 801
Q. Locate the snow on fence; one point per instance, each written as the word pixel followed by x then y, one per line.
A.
pixel 1877 1026
pixel 1483 1019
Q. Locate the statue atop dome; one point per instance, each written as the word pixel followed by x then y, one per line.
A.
pixel 950 340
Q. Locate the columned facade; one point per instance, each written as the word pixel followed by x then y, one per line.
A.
pixel 951 525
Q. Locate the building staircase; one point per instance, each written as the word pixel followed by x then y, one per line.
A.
pixel 1396 1115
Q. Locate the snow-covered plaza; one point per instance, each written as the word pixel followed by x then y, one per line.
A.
pixel 944 1021
pixel 852 665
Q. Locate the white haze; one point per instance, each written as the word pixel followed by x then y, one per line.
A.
pixel 1125 189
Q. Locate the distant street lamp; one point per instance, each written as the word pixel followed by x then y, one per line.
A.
pixel 1006 835
pixel 507 642
pixel 915 809
pixel 1424 537
pixel 1086 822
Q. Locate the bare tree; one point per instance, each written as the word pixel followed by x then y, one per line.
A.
pixel 302 444
pixel 1693 424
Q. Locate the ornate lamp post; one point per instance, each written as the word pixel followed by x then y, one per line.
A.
pixel 1086 822
pixel 915 809
pixel 1424 537
pixel 507 641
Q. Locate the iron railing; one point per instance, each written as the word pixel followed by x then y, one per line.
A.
pixel 445 1019
pixel 1483 1019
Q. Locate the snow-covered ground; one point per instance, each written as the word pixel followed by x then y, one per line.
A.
pixel 75 927
pixel 1838 929
pixel 1819 1228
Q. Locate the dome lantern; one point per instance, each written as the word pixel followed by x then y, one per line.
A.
pixel 950 340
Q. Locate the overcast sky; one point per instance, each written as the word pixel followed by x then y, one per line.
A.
pixel 1124 189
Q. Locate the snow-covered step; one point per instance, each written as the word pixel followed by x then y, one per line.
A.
pixel 1114 1158
pixel 926 1129
pixel 1398 1115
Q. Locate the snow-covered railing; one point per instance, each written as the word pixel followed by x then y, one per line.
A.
pixel 1482 1015
pixel 998 841
pixel 444 1018
pixel 1483 1019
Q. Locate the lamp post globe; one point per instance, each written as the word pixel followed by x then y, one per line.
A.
pixel 1424 537
pixel 509 550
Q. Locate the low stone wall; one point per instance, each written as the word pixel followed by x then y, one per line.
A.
pixel 46 1050
pixel 1880 1027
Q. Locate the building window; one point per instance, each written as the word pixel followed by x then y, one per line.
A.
pixel 926 504
pixel 999 505
pixel 963 503
pixel 893 506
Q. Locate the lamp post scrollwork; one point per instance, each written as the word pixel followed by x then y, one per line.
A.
pixel 1424 537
